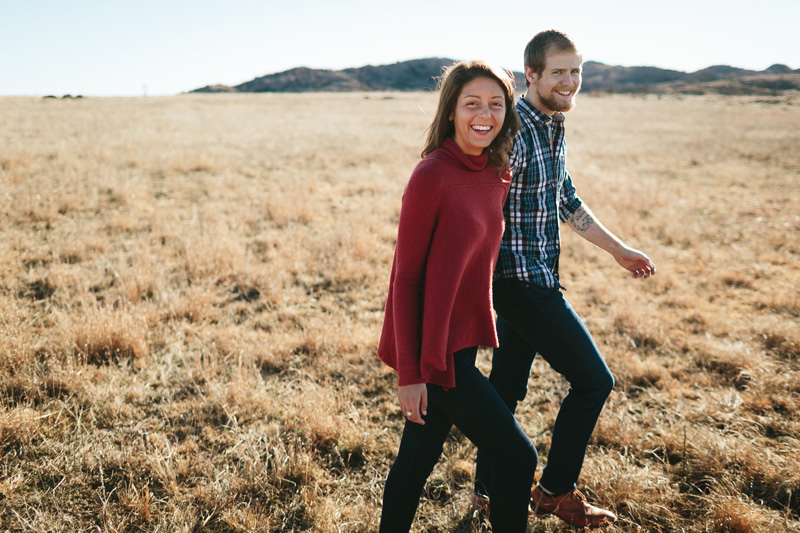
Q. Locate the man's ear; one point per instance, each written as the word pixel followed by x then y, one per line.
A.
pixel 530 75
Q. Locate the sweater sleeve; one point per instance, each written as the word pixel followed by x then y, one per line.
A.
pixel 414 235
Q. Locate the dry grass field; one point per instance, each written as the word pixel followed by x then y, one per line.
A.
pixel 192 293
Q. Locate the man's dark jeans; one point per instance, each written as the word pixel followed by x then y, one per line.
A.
pixel 475 408
pixel 533 320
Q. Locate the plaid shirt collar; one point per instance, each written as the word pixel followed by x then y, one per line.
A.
pixel 527 111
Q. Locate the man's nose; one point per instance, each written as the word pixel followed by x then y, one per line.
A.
pixel 571 78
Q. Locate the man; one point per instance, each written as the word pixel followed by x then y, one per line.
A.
pixel 532 314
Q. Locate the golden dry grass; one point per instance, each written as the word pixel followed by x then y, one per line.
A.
pixel 193 293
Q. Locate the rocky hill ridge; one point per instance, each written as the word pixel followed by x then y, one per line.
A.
pixel 420 74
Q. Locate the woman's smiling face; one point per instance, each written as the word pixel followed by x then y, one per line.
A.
pixel 479 114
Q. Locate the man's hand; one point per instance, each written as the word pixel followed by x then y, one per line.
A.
pixel 414 402
pixel 636 262
pixel 587 226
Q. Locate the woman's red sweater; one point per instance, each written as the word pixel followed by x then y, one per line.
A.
pixel 440 298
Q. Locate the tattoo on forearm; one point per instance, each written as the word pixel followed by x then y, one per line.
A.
pixel 581 220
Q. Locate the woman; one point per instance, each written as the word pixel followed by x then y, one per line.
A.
pixel 439 309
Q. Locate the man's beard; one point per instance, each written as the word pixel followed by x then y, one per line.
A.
pixel 557 104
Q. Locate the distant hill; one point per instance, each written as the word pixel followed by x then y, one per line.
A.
pixel 414 75
pixel 421 74
pixel 405 76
pixel 602 77
pixel 718 79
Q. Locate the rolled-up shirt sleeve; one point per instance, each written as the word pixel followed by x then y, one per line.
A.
pixel 569 201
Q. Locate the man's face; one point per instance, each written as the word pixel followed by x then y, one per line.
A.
pixel 558 84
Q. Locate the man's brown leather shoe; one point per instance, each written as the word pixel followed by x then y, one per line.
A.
pixel 571 507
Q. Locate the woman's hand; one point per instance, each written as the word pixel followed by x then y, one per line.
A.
pixel 414 402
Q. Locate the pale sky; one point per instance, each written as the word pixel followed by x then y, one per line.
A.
pixel 163 47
